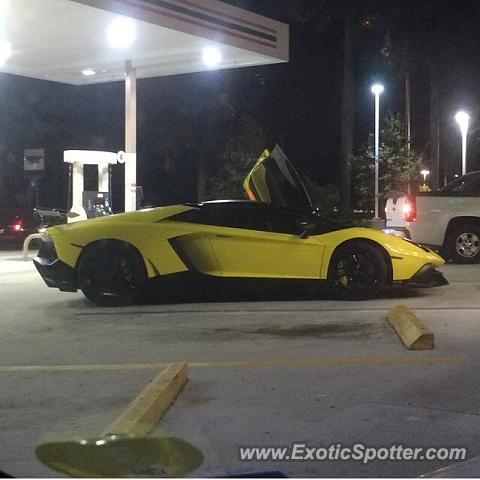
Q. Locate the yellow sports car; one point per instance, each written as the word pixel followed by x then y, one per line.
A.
pixel 276 235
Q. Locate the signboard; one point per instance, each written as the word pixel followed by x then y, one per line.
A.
pixel 34 160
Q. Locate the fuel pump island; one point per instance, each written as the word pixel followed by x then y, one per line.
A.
pixel 89 204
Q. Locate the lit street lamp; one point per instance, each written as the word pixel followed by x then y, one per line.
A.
pixel 377 89
pixel 462 119
pixel 425 173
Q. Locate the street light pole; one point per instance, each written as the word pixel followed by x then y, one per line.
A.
pixel 377 89
pixel 462 119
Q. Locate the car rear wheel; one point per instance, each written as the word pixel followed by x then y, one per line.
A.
pixel 357 271
pixel 111 274
pixel 463 244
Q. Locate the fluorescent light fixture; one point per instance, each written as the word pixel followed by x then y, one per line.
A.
pixel 121 33
pixel 88 72
pixel 212 57
pixel 377 89
pixel 5 51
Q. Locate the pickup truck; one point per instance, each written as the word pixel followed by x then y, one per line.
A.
pixel 447 220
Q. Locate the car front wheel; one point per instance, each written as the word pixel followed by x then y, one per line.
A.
pixel 111 274
pixel 357 271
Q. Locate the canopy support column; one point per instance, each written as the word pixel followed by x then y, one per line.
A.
pixel 130 137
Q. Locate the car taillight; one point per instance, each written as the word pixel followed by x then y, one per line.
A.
pixel 410 209
pixel 18 227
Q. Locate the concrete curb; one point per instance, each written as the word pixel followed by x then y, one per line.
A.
pixel 411 330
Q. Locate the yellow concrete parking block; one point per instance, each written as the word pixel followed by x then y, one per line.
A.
pixel 410 329
pixel 144 412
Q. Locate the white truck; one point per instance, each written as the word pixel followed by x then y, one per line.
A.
pixel 448 220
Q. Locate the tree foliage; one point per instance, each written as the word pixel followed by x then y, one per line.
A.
pixel 398 167
pixel 237 159
pixel 325 198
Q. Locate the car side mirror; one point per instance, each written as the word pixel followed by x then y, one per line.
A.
pixel 305 226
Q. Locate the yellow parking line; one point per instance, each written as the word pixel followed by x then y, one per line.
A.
pixel 305 362
pixel 301 362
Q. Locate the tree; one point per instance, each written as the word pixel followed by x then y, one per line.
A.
pixel 425 42
pixel 237 159
pixel 325 198
pixel 324 15
pixel 348 106
pixel 399 166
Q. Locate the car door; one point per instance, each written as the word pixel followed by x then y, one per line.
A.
pixel 257 240
pixel 275 181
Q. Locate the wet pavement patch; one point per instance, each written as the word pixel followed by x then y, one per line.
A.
pixel 352 329
pixel 312 330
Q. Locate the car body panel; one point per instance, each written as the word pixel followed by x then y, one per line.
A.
pixel 140 229
pixel 250 253
pixel 196 252
pixel 406 257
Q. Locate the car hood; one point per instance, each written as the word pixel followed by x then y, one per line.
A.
pixel 274 180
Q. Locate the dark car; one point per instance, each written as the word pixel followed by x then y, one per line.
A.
pixel 13 226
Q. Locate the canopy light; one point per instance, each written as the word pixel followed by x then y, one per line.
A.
pixel 121 33
pixel 377 89
pixel 212 57
pixel 88 72
pixel 5 51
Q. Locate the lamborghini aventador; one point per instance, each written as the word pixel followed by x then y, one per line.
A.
pixel 276 234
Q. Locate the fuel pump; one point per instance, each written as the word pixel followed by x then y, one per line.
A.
pixel 91 204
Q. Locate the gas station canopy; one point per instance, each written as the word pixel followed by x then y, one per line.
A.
pixel 89 41
pixel 92 41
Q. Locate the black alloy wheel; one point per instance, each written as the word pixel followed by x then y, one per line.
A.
pixel 111 274
pixel 357 271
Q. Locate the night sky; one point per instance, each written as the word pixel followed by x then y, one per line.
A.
pixel 297 104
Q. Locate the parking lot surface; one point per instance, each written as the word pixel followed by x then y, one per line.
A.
pixel 262 373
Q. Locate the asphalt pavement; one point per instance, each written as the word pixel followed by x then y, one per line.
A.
pixel 268 372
